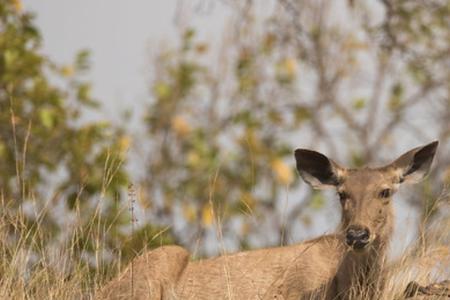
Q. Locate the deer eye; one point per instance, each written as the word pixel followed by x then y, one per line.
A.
pixel 343 196
pixel 386 193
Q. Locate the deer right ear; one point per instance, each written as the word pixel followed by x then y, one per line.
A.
pixel 317 169
pixel 415 164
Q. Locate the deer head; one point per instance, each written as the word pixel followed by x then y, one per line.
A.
pixel 365 194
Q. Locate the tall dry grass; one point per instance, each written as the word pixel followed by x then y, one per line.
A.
pixel 33 269
pixel 36 265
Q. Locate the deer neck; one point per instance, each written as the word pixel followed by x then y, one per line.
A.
pixel 363 270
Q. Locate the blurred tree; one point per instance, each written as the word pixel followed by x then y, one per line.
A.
pixel 358 80
pixel 59 172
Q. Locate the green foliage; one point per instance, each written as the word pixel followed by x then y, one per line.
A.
pixel 359 103
pixel 318 200
pixel 397 93
pixel 68 170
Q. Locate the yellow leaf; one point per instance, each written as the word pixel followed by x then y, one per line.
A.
pixel 282 171
pixel 189 213
pixel 18 6
pixel 359 103
pixel 286 69
pixel 207 215
pixel 124 143
pixel 193 159
pixel 47 117
pixel 67 71
pixel 180 126
pixel 162 90
pixel 290 65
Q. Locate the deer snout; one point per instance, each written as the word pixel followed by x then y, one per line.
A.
pixel 357 237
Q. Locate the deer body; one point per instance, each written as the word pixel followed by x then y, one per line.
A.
pixel 345 265
pixel 271 273
pixel 264 274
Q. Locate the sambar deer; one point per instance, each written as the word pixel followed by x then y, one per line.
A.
pixel 344 265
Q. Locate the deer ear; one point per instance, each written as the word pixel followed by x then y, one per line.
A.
pixel 415 164
pixel 317 169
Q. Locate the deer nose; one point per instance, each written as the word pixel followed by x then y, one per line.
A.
pixel 357 237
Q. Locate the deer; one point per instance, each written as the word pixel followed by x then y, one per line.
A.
pixel 347 264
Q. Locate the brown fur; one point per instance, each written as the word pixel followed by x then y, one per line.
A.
pixel 322 268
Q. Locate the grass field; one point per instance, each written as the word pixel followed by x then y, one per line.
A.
pixel 33 269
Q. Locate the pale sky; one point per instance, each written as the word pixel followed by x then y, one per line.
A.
pixel 121 35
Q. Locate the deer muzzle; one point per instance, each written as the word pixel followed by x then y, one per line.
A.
pixel 357 237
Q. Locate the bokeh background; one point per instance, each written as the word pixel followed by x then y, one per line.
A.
pixel 128 125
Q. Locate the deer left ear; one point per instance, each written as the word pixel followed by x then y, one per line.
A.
pixel 415 164
pixel 316 169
